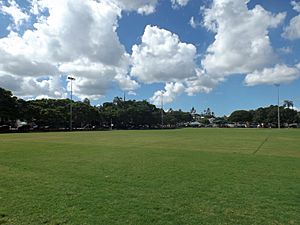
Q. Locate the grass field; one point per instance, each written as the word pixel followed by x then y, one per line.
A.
pixel 185 176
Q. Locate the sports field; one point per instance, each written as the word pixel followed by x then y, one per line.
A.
pixel 184 176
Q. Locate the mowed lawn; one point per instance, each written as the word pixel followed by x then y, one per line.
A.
pixel 184 176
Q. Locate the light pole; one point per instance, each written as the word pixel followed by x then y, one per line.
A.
pixel 71 112
pixel 162 109
pixel 278 107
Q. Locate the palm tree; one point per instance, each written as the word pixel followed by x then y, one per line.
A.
pixel 193 110
pixel 288 104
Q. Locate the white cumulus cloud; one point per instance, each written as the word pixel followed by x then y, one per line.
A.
pixel 126 83
pixel 15 12
pixel 76 37
pixel 79 38
pixel 143 7
pixel 194 24
pixel 201 83
pixel 277 75
pixel 172 90
pixel 296 5
pixel 177 3
pixel 292 31
pixel 242 42
pixel 34 87
pixel 162 57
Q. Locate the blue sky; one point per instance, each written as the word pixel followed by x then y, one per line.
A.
pixel 221 54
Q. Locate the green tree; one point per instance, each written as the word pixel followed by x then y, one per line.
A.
pixel 193 110
pixel 87 101
pixel 241 116
pixel 289 116
pixel 8 106
pixel 288 104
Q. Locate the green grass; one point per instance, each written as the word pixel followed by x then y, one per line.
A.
pixel 186 176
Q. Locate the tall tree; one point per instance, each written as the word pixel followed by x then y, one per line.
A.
pixel 288 104
pixel 241 116
pixel 193 110
pixel 8 106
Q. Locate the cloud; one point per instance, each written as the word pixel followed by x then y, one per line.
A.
pixel 76 37
pixel 194 24
pixel 126 83
pixel 132 93
pixel 79 37
pixel 142 7
pixel 21 65
pixel 97 40
pixel 179 3
pixel 277 75
pixel 292 31
pixel 38 87
pixel 91 87
pixel 94 79
pixel 172 90
pixel 242 45
pixel 296 6
pixel 242 42
pixel 201 83
pixel 162 57
pixel 15 12
pixel 286 50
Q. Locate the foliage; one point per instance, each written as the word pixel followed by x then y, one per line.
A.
pixel 55 113
pixel 241 116
pixel 267 115
pixel 208 113
pixel 8 106
pixel 288 104
pixel 120 114
pixel 176 117
pixel 129 114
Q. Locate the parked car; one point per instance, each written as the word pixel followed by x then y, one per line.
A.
pixel 293 125
pixel 4 128
pixel 241 125
pixel 24 127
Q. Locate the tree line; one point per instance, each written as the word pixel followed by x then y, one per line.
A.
pixel 267 116
pixel 120 114
pixel 55 113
